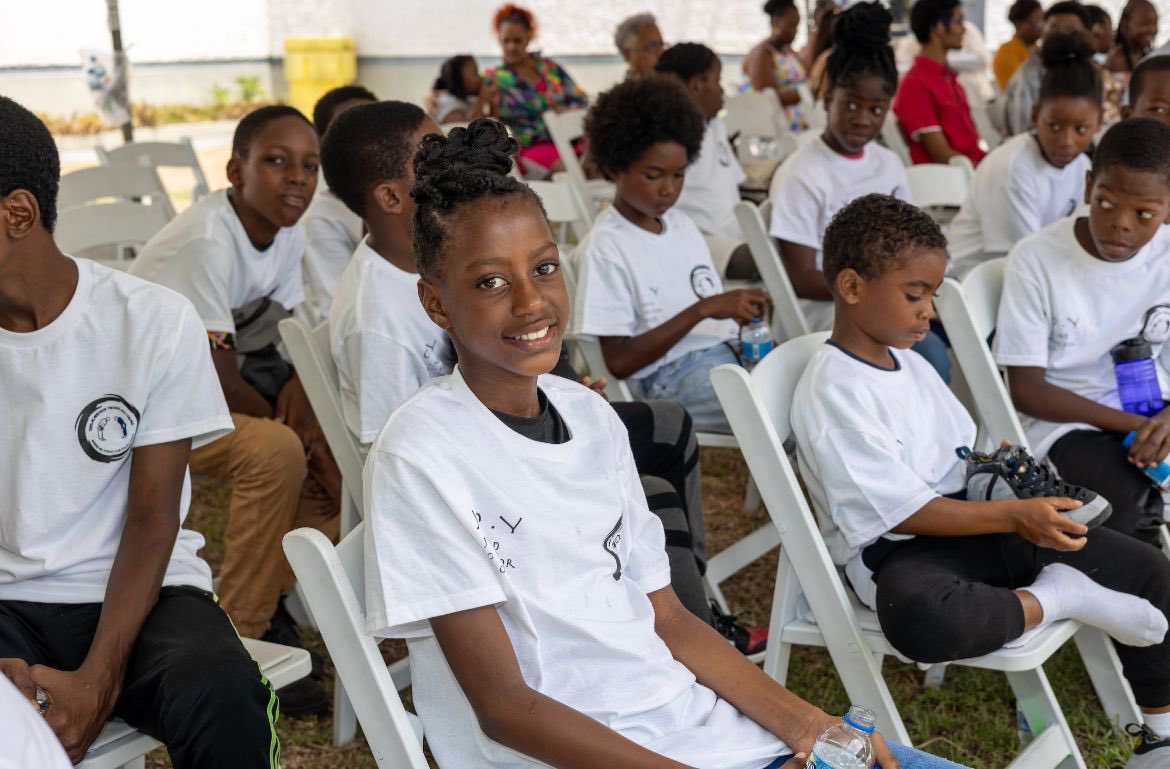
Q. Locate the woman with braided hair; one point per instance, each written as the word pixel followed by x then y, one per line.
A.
pixel 509 539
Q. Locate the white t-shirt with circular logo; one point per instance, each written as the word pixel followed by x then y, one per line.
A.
pixel 126 364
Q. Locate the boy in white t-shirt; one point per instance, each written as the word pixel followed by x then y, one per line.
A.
pixel 236 255
pixel 105 608
pixel 1072 292
pixel 508 538
pixel 332 231
pixel 843 163
pixel 878 438
pixel 711 188
pixel 647 286
pixel 1149 89
pixel 1034 178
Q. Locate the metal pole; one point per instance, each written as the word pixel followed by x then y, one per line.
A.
pixel 115 24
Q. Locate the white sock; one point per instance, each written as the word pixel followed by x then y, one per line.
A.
pixel 1065 593
pixel 1158 722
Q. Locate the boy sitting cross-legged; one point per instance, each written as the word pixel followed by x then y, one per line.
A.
pixel 878 440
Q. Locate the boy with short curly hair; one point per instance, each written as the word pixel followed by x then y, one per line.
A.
pixel 648 287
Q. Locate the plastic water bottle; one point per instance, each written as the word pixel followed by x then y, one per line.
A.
pixel 755 341
pixel 1160 475
pixel 1137 377
pixel 846 745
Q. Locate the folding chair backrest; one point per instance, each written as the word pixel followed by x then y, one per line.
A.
pixel 788 320
pixel 968 312
pixel 84 228
pixel 937 184
pixel 180 154
pixel 590 346
pixel 758 406
pixel 564 206
pixel 565 128
pixel 333 581
pixel 981 116
pixel 124 183
pixel 893 139
pixel 755 113
pixel 313 360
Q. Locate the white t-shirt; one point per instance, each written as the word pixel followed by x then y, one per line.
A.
pixel 1015 192
pixel 813 185
pixel 332 233
pixel 711 187
pixel 383 342
pixel 467 513
pixel 28 741
pixel 125 365
pixel 630 281
pixel 1063 310
pixel 205 255
pixel 874 447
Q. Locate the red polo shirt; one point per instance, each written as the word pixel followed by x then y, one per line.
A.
pixel 929 99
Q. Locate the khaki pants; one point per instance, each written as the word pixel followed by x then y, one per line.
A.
pixel 273 492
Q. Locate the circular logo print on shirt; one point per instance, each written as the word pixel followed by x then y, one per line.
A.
pixel 1156 324
pixel 106 428
pixel 703 281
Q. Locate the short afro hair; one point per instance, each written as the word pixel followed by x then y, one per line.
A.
pixel 323 109
pixel 1069 8
pixel 29 159
pixel 1139 144
pixel 1137 81
pixel 875 234
pixel 924 14
pixel 634 115
pixel 687 60
pixel 776 8
pixel 454 172
pixel 367 144
pixel 256 121
pixel 1022 9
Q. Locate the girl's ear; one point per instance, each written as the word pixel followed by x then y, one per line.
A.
pixel 432 302
pixel 849 285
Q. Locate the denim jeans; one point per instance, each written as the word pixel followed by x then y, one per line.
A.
pixel 909 758
pixel 687 381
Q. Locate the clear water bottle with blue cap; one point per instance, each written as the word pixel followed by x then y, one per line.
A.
pixel 846 745
pixel 1137 377
pixel 755 341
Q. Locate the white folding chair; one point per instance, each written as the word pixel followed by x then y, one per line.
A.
pixel 981 117
pixel 755 117
pixel 565 128
pixel 122 746
pixel 122 226
pixel 938 185
pixel 893 139
pixel 334 585
pixel 180 154
pixel 788 321
pixel 758 406
pixel 124 183
pixel 313 359
pixel 565 208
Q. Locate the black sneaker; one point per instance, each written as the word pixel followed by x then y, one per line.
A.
pixel 282 629
pixel 1012 473
pixel 1151 751
pixel 749 640
pixel 305 697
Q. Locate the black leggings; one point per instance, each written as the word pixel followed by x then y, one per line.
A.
pixel 947 598
pixel 189 681
pixel 1097 461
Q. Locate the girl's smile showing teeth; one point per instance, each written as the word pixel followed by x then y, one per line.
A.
pixel 534 335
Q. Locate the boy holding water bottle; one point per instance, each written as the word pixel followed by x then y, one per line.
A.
pixel 1086 306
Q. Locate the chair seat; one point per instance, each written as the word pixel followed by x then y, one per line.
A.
pixel 601 189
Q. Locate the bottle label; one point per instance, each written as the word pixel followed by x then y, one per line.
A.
pixel 815 762
pixel 755 351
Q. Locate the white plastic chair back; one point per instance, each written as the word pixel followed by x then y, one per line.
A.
pixel 121 226
pixel 893 139
pixel 936 184
pixel 565 128
pixel 788 321
pixel 755 113
pixel 963 162
pixel 333 581
pixel 565 208
pixel 180 154
pixel 981 117
pixel 122 183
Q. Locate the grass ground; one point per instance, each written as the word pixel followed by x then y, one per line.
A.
pixel 970 719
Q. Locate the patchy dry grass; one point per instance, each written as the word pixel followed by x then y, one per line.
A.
pixel 970 719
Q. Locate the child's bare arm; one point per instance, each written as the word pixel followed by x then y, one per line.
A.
pixel 241 397
pixel 1037 520
pixel 513 714
pixel 720 667
pixel 800 262
pixel 936 145
pixel 625 355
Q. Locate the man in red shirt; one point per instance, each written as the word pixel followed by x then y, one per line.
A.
pixel 930 104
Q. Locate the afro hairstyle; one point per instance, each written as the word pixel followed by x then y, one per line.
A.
pixel 256 121
pixel 323 109
pixel 29 159
pixel 1139 144
pixel 877 233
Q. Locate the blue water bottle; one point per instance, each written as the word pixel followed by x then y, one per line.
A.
pixel 755 341
pixel 1160 475
pixel 1137 377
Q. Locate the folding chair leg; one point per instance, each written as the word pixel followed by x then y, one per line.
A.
pixel 935 675
pixel 751 498
pixel 729 561
pixel 344 719
pixel 1054 746
pixel 137 763
pixel 349 516
pixel 1104 668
